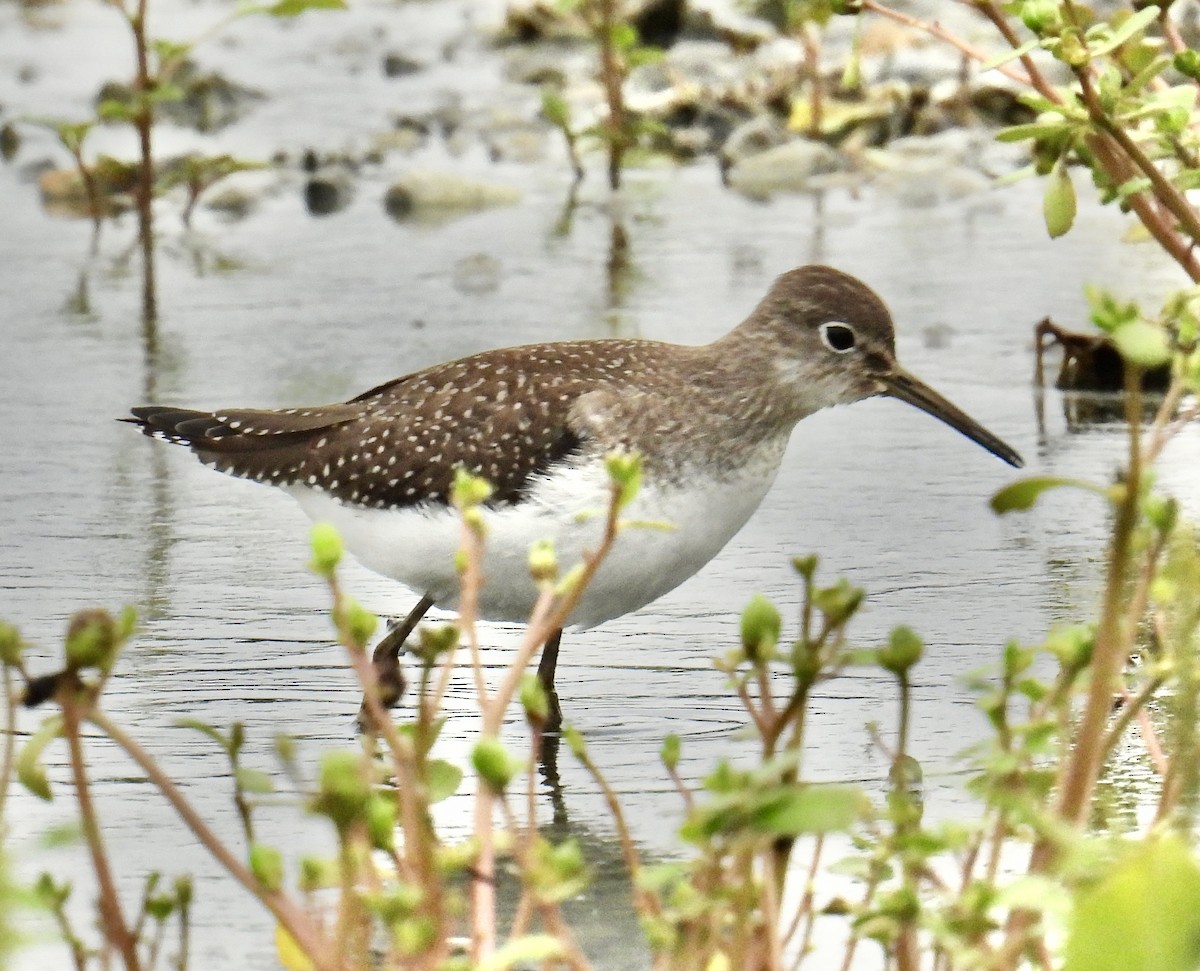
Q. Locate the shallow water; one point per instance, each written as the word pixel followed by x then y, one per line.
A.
pixel 284 309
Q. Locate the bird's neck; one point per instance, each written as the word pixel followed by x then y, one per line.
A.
pixel 729 406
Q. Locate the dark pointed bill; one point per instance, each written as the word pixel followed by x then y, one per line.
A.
pixel 900 384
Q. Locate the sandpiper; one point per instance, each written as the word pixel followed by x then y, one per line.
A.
pixel 710 422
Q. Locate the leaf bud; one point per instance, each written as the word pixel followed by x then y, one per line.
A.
pixel 543 562
pixel 266 863
pixel 493 763
pixel 12 648
pixel 902 651
pixel 343 789
pixel 92 640
pixel 760 629
pixel 326 549
pixel 534 699
pixel 381 821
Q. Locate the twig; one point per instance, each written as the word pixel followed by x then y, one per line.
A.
pixel 633 863
pixel 116 930
pixel 935 29
pixel 292 917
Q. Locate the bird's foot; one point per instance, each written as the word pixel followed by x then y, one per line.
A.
pixel 389 676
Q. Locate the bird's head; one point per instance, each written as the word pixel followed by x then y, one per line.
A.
pixel 833 342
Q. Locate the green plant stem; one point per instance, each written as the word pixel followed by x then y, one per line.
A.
pixel 10 741
pixel 772 893
pixel 999 19
pixel 79 954
pixel 550 913
pixel 549 615
pixel 646 901
pixel 1077 777
pixel 95 207
pixel 810 42
pixel 908 956
pixel 1113 160
pixel 290 915
pixel 611 77
pixel 806 909
pixel 1167 195
pixel 855 937
pixel 349 937
pixel 143 122
pixel 185 934
pixel 938 31
pixel 116 930
pixel 1162 230
pixel 409 785
pixel 1112 636
pixel 1164 428
pixel 468 609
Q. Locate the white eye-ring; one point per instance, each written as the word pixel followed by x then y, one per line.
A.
pixel 838 337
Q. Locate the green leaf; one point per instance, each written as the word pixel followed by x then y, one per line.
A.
pixel 1035 129
pixel 442 779
pixel 811 809
pixel 214 733
pixel 30 771
pixel 530 949
pixel 1142 343
pixel 1023 494
pixel 293 8
pixel 169 50
pixel 1133 186
pixel 254 781
pixel 556 109
pixel 625 471
pixel 1010 55
pixel 1187 63
pixel 165 93
pixel 623 36
pixel 1124 31
pixel 670 751
pixel 1058 202
pixel 1142 916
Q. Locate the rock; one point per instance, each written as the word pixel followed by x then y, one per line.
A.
pixel 65 194
pixel 328 191
pixel 210 102
pixel 397 65
pixel 232 203
pixel 10 141
pixel 790 167
pixel 924 172
pixel 752 138
pixel 523 145
pixel 427 194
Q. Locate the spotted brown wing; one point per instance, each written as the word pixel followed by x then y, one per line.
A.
pixel 499 415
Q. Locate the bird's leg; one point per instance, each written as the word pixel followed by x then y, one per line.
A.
pixel 389 680
pixel 545 672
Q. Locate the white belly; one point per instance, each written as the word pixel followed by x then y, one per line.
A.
pixel 416 546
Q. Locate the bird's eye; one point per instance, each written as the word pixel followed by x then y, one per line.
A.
pixel 838 337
